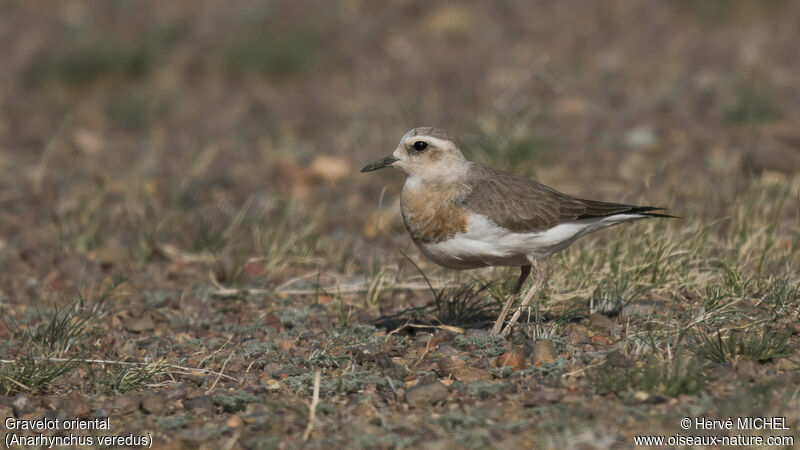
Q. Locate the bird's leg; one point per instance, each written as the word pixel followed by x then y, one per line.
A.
pixel 524 272
pixel 538 279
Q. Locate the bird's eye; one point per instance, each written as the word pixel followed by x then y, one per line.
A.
pixel 420 145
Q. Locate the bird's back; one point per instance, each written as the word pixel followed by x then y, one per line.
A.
pixel 522 205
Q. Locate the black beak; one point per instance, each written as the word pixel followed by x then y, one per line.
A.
pixel 385 162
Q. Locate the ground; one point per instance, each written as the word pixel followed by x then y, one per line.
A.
pixel 186 242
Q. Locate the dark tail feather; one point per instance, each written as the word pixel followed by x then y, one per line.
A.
pixel 650 211
pixel 603 209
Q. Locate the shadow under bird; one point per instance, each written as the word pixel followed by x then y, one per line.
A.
pixel 464 215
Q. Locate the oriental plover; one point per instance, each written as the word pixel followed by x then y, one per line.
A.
pixel 464 215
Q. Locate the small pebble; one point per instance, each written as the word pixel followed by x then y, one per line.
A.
pixel 426 394
pixel 234 422
pixel 600 322
pixel 513 358
pixel 469 374
pixel 22 404
pixel 153 404
pixel 543 353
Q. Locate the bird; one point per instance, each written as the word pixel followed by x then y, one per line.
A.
pixel 466 215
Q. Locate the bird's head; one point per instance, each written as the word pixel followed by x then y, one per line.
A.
pixel 427 153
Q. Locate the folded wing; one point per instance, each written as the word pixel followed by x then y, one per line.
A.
pixel 522 205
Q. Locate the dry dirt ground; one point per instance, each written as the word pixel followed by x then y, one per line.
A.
pixel 185 239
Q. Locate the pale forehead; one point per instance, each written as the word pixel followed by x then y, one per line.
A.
pixel 436 135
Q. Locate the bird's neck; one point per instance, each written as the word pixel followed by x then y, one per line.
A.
pixel 437 177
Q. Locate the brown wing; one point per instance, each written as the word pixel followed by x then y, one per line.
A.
pixel 523 205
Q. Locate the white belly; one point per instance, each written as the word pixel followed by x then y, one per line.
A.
pixel 487 244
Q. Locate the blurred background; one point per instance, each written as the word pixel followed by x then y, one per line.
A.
pixel 127 126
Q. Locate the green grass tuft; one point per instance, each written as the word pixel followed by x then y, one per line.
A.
pixel 32 374
pixel 755 345
pixel 667 377
pixel 117 379
pixel 58 332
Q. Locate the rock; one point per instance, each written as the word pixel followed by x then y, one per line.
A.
pixel 153 404
pixel 514 358
pixel 449 350
pixel 236 364
pixel 457 369
pixel 200 406
pixel 390 368
pixel 600 322
pixel 482 363
pixel 641 137
pixel 446 366
pixel 124 404
pixel 271 368
pixel 271 320
pixel 469 374
pixel 194 378
pixel 270 384
pixel 22 404
pixel 365 409
pixel 77 406
pixel 140 324
pixel 426 394
pixel 171 395
pixel 543 353
pixel 747 370
pixel 250 382
pixel 579 334
pixel 234 422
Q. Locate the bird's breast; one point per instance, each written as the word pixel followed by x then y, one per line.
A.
pixel 430 215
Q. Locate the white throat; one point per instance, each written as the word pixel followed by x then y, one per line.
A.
pixel 451 174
